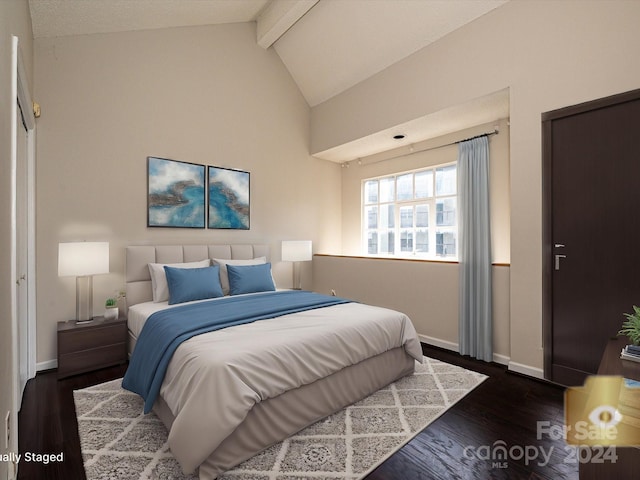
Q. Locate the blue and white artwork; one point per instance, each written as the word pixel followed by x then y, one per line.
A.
pixel 228 198
pixel 176 194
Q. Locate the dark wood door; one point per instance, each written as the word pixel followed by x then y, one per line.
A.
pixel 592 230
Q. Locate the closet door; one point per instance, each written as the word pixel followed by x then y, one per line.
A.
pixel 22 256
pixel 591 231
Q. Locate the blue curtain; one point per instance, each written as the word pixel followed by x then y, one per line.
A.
pixel 475 336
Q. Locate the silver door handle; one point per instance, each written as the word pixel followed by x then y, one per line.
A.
pixel 558 257
pixel 559 245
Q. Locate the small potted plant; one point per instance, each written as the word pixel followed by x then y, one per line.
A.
pixel 631 326
pixel 111 306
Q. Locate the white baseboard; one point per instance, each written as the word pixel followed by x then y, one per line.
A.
pixel 47 365
pixel 526 370
pixel 436 342
pixel 501 359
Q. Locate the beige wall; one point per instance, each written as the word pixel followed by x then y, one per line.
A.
pixel 550 55
pixel 426 291
pixel 206 95
pixel 14 20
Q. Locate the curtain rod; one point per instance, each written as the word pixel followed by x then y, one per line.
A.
pixel 495 131
pixel 488 134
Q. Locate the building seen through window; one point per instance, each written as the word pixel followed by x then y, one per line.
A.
pixel 411 214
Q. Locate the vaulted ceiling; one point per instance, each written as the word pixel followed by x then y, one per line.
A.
pixel 328 46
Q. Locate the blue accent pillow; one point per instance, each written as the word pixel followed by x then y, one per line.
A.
pixel 187 284
pixel 250 278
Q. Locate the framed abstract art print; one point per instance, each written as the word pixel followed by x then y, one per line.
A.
pixel 228 198
pixel 175 194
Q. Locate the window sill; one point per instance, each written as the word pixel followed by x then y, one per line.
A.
pixel 398 259
pixel 402 259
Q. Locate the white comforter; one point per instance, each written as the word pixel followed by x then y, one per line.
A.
pixel 214 379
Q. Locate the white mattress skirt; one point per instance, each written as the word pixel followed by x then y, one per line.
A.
pixel 274 420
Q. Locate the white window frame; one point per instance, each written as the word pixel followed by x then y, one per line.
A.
pixel 395 205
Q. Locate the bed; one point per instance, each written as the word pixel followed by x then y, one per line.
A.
pixel 228 394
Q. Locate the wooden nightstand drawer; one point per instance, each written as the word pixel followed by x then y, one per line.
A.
pixel 84 339
pixel 87 360
pixel 90 346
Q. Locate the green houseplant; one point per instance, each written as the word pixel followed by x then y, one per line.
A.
pixel 631 326
pixel 111 305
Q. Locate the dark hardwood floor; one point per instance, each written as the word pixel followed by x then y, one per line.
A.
pixel 505 410
pixel 47 423
pixel 459 445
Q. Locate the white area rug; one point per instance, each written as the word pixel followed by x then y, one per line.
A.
pixel 119 442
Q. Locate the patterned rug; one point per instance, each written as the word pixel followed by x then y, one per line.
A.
pixel 119 442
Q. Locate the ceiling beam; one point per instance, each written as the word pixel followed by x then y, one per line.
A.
pixel 278 17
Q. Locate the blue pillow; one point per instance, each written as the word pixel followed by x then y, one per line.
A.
pixel 187 284
pixel 250 278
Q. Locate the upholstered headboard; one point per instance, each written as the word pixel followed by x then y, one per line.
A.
pixel 138 279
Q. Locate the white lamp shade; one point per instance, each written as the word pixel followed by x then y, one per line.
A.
pixel 77 259
pixel 296 250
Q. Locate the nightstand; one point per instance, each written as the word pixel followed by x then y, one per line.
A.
pixel 90 346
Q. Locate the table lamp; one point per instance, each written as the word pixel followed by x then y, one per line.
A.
pixel 296 251
pixel 83 260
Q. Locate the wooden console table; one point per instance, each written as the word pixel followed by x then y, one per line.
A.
pixel 612 364
pixel 627 467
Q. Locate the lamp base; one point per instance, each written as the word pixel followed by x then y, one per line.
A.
pixel 84 298
pixel 297 280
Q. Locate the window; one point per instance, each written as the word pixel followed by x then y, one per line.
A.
pixel 412 214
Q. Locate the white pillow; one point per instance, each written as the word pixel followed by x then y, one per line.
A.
pixel 159 279
pixel 224 275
